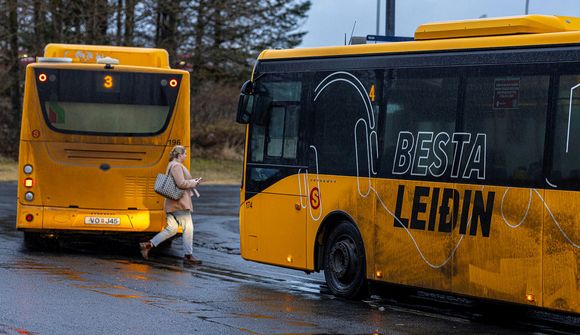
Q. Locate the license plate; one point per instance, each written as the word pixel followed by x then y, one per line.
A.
pixel 102 220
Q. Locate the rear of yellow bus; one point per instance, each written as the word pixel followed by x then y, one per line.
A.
pixel 94 136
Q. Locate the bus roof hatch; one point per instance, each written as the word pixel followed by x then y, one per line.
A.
pixel 526 24
pixel 148 57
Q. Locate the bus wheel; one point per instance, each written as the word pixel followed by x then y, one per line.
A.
pixel 344 262
pixel 33 241
pixel 39 242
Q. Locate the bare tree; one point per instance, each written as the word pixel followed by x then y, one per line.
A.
pixel 228 35
pixel 13 68
pixel 39 13
pixel 119 20
pixel 129 21
pixel 167 35
pixel 218 39
pixel 95 22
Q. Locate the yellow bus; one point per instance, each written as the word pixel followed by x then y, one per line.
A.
pixel 450 162
pixel 98 124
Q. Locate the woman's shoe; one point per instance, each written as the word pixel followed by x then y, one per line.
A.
pixel 145 247
pixel 190 260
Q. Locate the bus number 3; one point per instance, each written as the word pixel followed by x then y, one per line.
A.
pixel 108 82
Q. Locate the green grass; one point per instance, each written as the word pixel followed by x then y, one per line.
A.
pixel 217 171
pixel 8 169
pixel 212 170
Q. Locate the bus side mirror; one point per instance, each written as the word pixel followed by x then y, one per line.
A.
pixel 246 103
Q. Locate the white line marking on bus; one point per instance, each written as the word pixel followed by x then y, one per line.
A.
pixel 570 115
pixel 525 214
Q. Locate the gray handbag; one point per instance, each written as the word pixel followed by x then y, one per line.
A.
pixel 165 186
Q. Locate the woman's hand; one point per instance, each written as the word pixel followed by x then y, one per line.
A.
pixel 198 180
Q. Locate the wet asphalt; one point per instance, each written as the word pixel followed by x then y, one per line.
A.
pixel 104 287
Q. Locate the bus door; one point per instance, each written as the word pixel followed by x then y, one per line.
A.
pixel 561 231
pixel 274 221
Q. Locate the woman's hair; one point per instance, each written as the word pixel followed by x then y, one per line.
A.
pixel 177 150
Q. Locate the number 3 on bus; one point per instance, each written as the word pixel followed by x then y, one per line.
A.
pixel 94 135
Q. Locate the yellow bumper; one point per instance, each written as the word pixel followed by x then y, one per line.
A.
pixel 54 218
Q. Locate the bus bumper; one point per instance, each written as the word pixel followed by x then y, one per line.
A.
pixel 53 218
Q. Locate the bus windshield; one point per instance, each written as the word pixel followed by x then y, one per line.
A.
pixel 106 102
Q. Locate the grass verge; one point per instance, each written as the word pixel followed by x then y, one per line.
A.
pixel 8 169
pixel 217 171
pixel 212 170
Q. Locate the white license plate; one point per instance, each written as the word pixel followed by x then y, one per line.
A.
pixel 102 220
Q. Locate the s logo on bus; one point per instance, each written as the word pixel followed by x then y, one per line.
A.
pixel 315 198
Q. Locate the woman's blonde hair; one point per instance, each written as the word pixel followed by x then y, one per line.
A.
pixel 177 150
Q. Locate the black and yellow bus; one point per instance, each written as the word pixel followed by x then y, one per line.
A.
pixel 450 162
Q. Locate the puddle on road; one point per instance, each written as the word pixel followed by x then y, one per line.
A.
pixel 201 271
pixel 8 226
pixel 69 275
pixel 28 265
pixel 254 316
pixel 5 329
pixel 105 289
pixel 297 314
pixel 120 296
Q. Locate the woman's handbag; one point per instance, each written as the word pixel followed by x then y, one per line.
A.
pixel 165 185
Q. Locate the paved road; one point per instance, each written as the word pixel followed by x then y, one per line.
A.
pixel 105 288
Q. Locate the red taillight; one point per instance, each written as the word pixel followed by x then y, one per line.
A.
pixel 42 77
pixel 28 182
pixel 173 83
pixel 29 217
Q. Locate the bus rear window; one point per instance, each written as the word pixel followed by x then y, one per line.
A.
pixel 106 103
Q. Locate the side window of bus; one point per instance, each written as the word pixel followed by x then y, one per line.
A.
pixel 505 112
pixel 421 109
pixel 565 171
pixel 274 135
pixel 345 107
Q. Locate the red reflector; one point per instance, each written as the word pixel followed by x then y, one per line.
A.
pixel 42 77
pixel 28 182
pixel 29 217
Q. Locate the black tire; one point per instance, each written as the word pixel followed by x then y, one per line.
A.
pixel 33 241
pixel 40 242
pixel 345 262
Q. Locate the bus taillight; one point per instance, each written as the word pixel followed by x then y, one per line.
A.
pixel 42 77
pixel 27 169
pixel 173 83
pixel 29 217
pixel 28 182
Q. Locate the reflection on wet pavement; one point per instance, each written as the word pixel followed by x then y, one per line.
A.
pixel 5 329
pixel 66 273
pixel 106 287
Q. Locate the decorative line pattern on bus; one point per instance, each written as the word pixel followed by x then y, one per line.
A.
pixel 370 136
pixel 570 115
pixel 307 187
pixel 359 87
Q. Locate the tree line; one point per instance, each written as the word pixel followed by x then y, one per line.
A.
pixel 217 41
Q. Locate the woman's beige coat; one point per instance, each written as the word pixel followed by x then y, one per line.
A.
pixel 184 181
